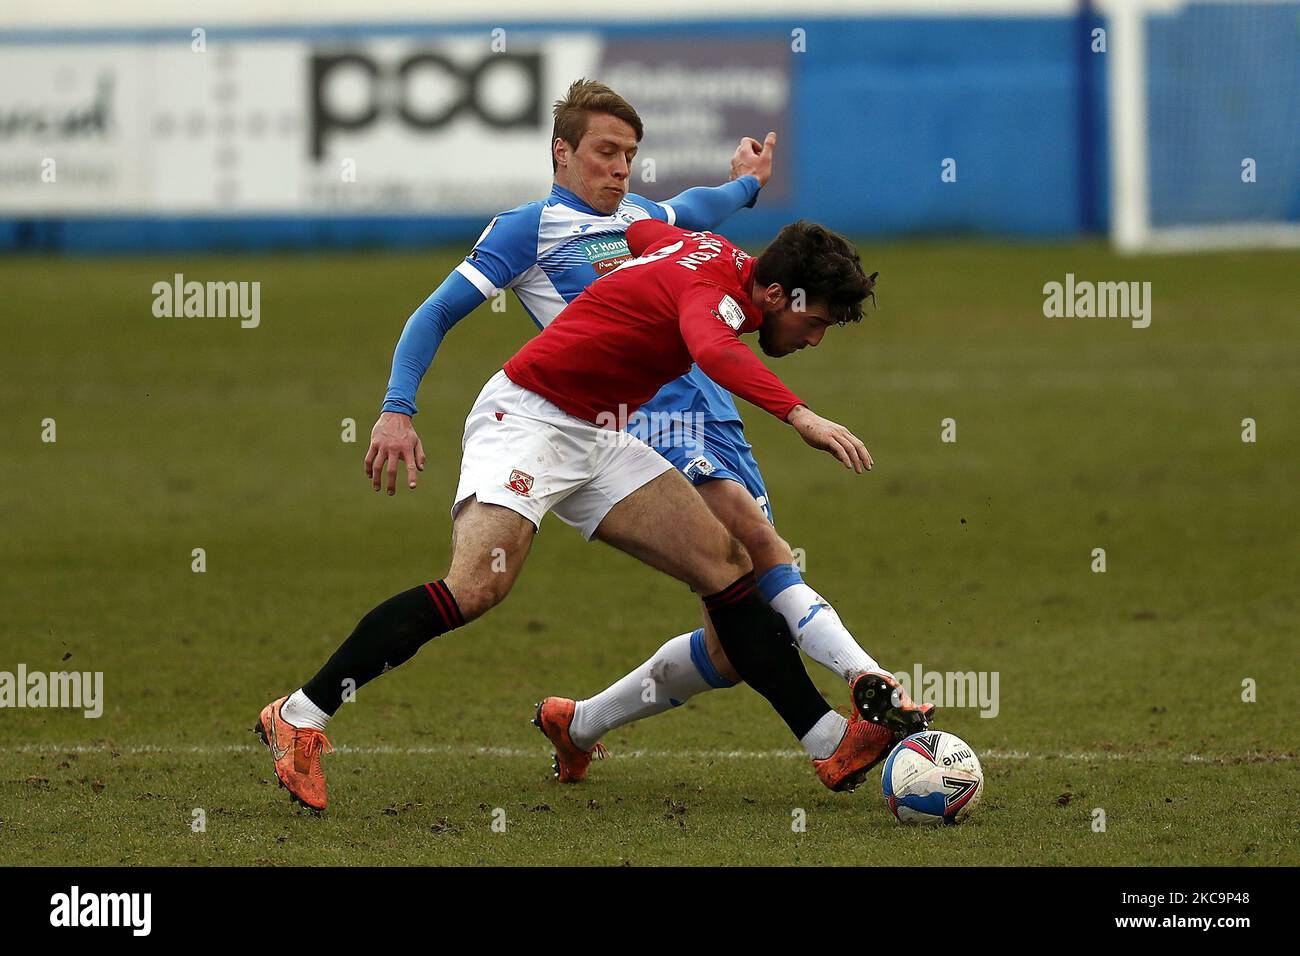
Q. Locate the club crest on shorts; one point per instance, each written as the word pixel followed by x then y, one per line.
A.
pixel 521 483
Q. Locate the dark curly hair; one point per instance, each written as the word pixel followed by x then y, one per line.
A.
pixel 824 264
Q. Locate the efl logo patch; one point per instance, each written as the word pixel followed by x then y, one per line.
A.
pixel 698 468
pixel 521 483
pixel 729 311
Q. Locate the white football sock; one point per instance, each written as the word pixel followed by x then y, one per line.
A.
pixel 825 736
pixel 814 624
pixel 673 674
pixel 299 711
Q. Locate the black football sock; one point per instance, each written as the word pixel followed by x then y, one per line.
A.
pixel 757 642
pixel 389 635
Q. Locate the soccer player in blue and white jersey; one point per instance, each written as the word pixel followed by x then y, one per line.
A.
pixel 549 251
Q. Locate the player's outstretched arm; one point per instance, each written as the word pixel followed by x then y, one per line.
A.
pixel 826 435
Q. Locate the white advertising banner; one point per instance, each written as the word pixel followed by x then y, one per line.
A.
pixel 438 124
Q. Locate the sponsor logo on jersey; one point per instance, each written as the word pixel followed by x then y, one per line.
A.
pixel 729 311
pixel 521 483
pixel 606 255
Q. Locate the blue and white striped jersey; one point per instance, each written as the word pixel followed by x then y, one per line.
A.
pixel 548 251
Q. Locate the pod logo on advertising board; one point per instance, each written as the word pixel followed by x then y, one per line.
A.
pixel 386 92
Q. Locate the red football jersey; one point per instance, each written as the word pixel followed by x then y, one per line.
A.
pixel 684 298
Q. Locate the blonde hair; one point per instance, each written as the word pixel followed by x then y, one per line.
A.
pixel 583 98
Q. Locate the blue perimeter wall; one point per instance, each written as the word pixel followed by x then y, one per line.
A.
pixel 877 105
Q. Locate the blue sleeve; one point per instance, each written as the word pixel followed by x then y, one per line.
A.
pixel 456 298
pixel 707 207
pixel 507 247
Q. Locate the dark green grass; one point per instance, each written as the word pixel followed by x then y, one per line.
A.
pixel 1072 434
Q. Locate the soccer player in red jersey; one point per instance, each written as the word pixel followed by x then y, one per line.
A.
pixel 545 435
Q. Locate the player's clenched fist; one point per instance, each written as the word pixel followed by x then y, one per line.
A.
pixel 753 158
pixel 393 439
pixel 828 436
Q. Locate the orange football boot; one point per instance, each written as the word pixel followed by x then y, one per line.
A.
pixel 864 745
pixel 554 716
pixel 881 699
pixel 296 752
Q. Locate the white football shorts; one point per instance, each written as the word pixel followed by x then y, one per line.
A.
pixel 525 453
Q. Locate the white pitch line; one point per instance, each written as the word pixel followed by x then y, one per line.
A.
pixel 541 751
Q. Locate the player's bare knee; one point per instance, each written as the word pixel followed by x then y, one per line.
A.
pixel 766 548
pixel 716 563
pixel 736 553
pixel 737 557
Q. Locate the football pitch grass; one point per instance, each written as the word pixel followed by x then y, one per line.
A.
pixel 1120 692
